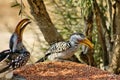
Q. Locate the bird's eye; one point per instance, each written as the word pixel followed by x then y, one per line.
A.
pixel 82 36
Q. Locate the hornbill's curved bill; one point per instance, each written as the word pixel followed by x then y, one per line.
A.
pixel 20 27
pixel 18 34
pixel 86 42
pixel 17 55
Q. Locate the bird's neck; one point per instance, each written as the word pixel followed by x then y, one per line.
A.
pixel 74 43
pixel 20 47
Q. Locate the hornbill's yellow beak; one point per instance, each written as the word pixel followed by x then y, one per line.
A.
pixel 87 43
pixel 20 27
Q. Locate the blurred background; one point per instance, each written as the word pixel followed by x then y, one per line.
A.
pixel 96 19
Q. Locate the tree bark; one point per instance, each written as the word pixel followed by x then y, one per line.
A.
pixel 115 64
pixel 39 12
pixel 88 57
pixel 100 24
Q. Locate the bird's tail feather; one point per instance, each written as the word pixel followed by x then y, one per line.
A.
pixel 3 54
pixel 43 58
pixel 5 69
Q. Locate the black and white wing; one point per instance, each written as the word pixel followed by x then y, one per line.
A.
pixel 59 47
pixel 15 60
pixel 55 48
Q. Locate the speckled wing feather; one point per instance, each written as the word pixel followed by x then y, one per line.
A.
pixel 59 47
pixel 19 60
pixel 56 48
pixel 15 60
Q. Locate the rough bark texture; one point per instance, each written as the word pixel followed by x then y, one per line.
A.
pixel 115 64
pixel 43 20
pixel 100 24
pixel 88 57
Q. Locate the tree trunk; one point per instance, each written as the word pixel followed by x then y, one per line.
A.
pixel 100 25
pixel 88 57
pixel 44 22
pixel 115 64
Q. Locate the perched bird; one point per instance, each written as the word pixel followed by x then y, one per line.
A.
pixel 17 55
pixel 65 50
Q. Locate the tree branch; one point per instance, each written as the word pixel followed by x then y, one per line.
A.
pixel 44 22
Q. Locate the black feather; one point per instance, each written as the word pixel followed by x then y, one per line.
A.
pixel 43 58
pixel 4 54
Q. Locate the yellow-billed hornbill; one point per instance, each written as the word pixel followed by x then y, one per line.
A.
pixel 65 50
pixel 17 55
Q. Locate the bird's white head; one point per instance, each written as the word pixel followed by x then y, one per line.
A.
pixel 79 38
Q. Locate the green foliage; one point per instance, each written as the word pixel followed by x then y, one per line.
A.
pixel 69 18
pixel 86 7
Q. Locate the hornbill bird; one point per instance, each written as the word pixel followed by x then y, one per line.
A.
pixel 17 55
pixel 61 51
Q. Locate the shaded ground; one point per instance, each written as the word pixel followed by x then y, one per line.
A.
pixel 64 71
